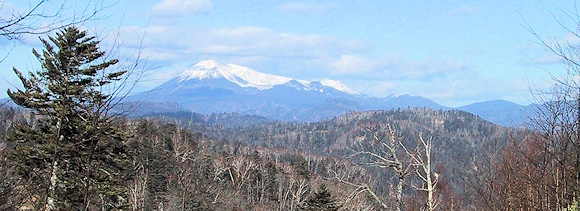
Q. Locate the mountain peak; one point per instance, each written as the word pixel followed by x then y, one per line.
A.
pixel 338 86
pixel 203 69
pixel 207 64
pixel 242 76
pixel 247 77
pixel 398 95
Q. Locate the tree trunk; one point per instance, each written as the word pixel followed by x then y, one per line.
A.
pixel 400 193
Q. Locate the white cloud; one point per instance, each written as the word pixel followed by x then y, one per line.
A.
pixel 308 57
pixel 570 39
pixel 313 56
pixel 452 82
pixel 303 56
pixel 451 91
pixel 351 64
pixel 375 88
pixel 182 7
pixel 243 31
pixel 264 42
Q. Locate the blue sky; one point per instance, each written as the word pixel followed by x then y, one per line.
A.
pixel 453 52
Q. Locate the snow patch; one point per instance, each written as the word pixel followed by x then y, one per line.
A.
pixel 397 95
pixel 337 85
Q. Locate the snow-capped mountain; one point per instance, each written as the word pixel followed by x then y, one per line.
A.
pixel 338 86
pixel 246 77
pixel 242 76
pixel 210 87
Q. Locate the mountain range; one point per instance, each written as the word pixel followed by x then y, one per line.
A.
pixel 209 87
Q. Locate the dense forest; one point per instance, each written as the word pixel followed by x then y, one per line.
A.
pixel 64 147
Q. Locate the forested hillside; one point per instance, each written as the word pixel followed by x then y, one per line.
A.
pixel 462 143
pixel 280 165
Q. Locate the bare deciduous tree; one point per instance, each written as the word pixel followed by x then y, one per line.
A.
pixel 421 159
pixel 384 152
pixel 558 116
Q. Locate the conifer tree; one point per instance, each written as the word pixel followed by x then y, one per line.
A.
pixel 321 200
pixel 74 157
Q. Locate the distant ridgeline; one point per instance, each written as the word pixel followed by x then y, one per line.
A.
pixel 209 87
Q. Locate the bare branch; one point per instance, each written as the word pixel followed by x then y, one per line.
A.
pixel 40 18
pixel 359 188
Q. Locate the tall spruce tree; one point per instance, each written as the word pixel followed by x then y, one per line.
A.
pixel 321 200
pixel 74 158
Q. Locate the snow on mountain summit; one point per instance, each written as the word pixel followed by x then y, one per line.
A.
pixel 246 77
pixel 338 86
pixel 243 76
pixel 207 64
pixel 257 79
pixel 203 69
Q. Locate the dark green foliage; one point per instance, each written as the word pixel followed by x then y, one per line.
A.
pixel 74 158
pixel 301 169
pixel 153 159
pixel 271 181
pixel 7 118
pixel 170 174
pixel 321 200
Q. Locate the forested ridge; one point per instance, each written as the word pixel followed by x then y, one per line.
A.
pixel 462 141
pixel 183 164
